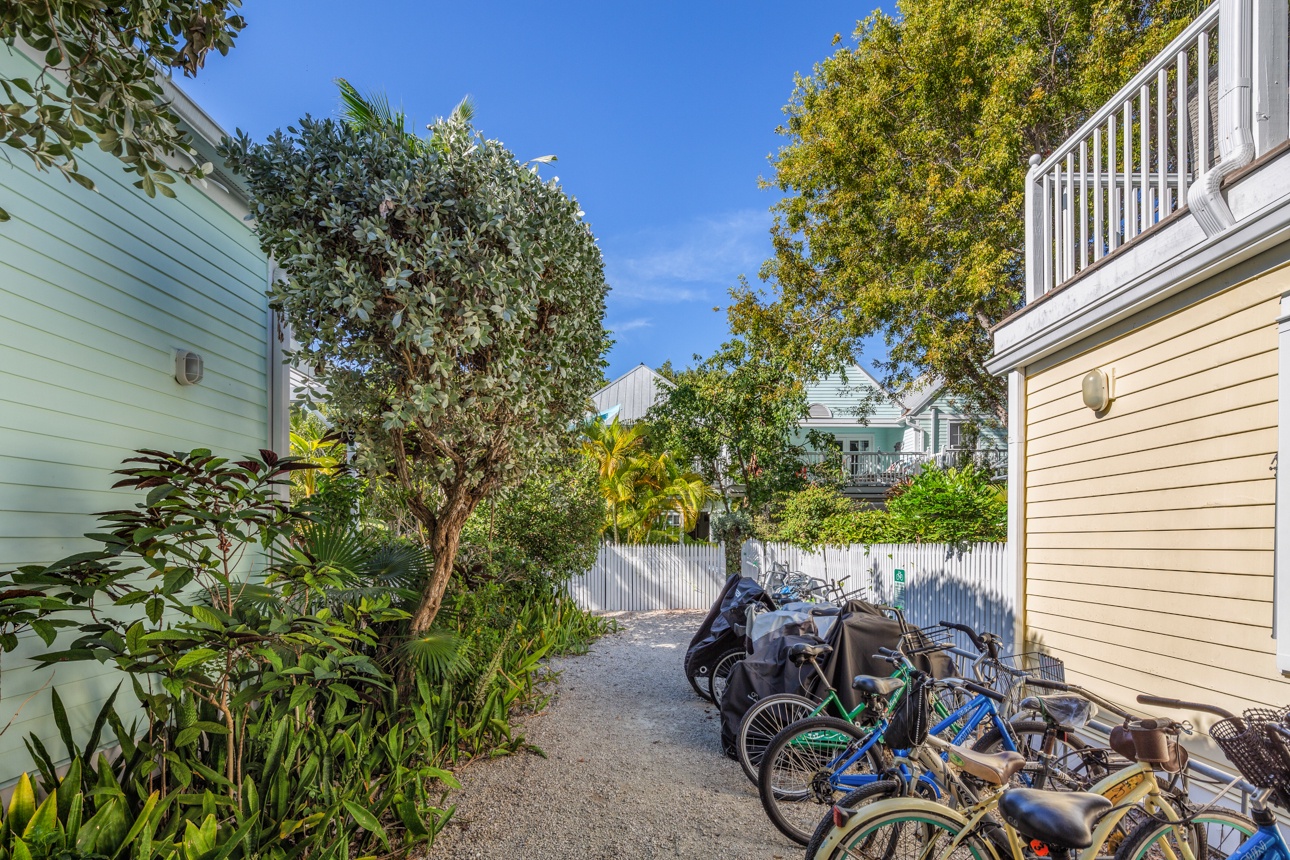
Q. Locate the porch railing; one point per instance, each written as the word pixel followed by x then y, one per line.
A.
pixel 1216 91
pixel 887 468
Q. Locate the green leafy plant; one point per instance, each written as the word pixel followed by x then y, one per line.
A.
pixel 102 81
pixel 955 505
pixel 451 298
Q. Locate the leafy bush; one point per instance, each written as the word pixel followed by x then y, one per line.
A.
pixel 264 649
pixel 956 505
pixel 547 528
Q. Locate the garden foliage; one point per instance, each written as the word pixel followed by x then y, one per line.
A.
pixel 940 505
pixel 101 81
pixel 265 650
pixel 450 298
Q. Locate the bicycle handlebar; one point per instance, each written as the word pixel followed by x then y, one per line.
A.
pixel 985 691
pixel 1162 702
pixel 967 631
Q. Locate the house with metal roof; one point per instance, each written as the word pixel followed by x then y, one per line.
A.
pixel 631 395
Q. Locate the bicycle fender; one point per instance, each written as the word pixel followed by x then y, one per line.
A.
pixel 837 836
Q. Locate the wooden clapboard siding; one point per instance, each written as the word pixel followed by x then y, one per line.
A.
pixel 1149 530
pixel 96 291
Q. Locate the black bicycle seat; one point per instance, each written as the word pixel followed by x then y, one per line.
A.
pixel 875 686
pixel 825 610
pixel 800 652
pixel 1070 711
pixel 1063 819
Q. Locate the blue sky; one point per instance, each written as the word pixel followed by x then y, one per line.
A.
pixel 662 115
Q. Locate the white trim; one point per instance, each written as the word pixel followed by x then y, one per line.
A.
pixel 277 377
pixel 1016 559
pixel 1281 557
pixel 1149 270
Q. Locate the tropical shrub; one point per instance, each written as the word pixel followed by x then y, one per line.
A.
pixel 544 530
pixel 954 505
pixel 451 299
pixel 265 650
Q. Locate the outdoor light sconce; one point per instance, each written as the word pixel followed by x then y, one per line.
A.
pixel 1098 390
pixel 189 367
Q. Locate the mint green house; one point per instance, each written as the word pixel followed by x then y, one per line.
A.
pixel 99 292
pixel 881 438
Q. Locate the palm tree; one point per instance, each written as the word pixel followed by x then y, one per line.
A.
pixel 311 441
pixel 615 450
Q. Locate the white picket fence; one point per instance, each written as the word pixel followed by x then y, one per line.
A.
pixel 639 577
pixel 941 582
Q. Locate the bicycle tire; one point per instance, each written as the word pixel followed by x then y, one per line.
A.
pixel 883 789
pixel 720 672
pixel 698 680
pixel 917 830
pixel 1155 840
pixel 1074 772
pixel 765 719
pixel 792 779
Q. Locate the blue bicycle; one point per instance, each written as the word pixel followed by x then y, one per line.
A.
pixel 811 763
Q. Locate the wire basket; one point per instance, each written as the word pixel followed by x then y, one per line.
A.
pixel 920 640
pixel 1007 674
pixel 1259 752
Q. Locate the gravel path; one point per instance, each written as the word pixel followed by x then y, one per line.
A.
pixel 634 767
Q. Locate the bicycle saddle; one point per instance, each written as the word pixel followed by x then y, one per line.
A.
pixel 874 686
pixel 994 768
pixel 1060 818
pixel 825 610
pixel 1072 711
pixel 800 652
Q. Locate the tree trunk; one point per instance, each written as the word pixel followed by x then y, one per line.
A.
pixel 445 537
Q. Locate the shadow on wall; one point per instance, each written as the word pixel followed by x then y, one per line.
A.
pixel 932 597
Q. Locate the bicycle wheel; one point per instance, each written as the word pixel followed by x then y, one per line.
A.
pixel 794 779
pixel 1213 835
pixel 883 789
pixel 762 722
pixel 1069 768
pixel 720 672
pixel 698 680
pixel 903 834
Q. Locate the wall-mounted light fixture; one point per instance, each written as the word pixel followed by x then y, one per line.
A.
pixel 189 367
pixel 1098 389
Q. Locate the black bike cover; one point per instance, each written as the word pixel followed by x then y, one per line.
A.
pixel 717 634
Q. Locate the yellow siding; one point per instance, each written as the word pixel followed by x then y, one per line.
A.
pixel 1149 531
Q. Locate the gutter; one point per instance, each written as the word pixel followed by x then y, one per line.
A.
pixel 1235 121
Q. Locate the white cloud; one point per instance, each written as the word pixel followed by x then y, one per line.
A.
pixel 694 261
pixel 629 325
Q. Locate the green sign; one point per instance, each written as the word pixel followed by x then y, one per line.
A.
pixel 899 575
pixel 898 588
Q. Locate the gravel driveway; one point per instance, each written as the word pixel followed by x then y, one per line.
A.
pixel 634 767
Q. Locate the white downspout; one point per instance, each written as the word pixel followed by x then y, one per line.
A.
pixel 1235 120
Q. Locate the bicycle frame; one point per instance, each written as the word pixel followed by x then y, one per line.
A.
pixel 977 710
pixel 1124 788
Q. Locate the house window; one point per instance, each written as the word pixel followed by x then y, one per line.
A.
pixel 819 410
pixel 956 434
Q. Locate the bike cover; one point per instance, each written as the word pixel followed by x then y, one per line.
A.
pixel 717 634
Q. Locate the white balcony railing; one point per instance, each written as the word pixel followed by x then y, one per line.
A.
pixel 1214 97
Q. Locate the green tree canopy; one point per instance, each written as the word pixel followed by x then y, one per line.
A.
pixel 102 81
pixel 733 416
pixel 904 172
pixel 451 299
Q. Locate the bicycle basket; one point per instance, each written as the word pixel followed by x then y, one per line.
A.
pixel 919 640
pixel 1258 752
pixel 1005 675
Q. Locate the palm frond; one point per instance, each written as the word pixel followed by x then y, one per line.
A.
pixel 369 112
pixel 438 654
pixel 465 109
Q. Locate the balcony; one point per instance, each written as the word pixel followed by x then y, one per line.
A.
pixel 1209 103
pixel 870 474
pixel 1183 173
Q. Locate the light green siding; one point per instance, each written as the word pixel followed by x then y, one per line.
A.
pixel 96 291
pixel 949 408
pixel 854 396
